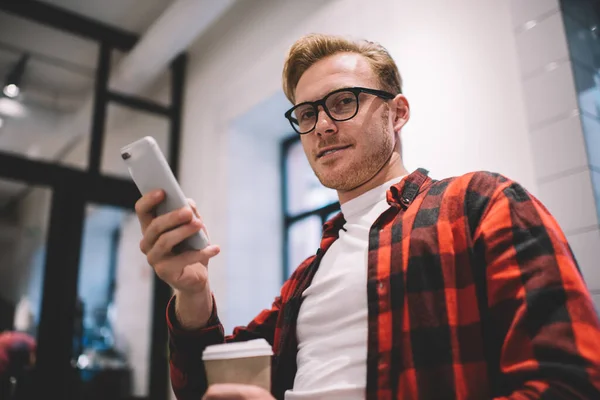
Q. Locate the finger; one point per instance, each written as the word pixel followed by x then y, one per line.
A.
pixel 194 208
pixel 235 392
pixel 144 207
pixel 165 242
pixel 200 256
pixel 194 257
pixel 163 224
pixel 197 214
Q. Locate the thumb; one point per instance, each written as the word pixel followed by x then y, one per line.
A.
pixel 211 250
pixel 200 256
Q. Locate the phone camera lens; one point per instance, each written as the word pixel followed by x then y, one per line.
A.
pixel 125 156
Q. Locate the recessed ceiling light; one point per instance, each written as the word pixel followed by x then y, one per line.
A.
pixel 11 90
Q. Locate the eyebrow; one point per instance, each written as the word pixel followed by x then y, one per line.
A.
pixel 331 91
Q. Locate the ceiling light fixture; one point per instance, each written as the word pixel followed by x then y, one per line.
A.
pixel 11 90
pixel 12 84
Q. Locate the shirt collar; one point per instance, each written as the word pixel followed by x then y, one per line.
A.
pixel 400 194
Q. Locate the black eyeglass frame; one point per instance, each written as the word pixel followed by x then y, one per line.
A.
pixel 315 104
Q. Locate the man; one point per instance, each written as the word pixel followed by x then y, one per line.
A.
pixel 463 288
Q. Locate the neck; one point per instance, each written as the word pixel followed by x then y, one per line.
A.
pixel 394 168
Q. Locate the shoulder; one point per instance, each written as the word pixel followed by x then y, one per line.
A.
pixel 475 193
pixel 473 187
pixel 484 182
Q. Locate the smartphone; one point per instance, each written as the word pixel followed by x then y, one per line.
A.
pixel 150 171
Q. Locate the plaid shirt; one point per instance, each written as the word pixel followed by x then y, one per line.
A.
pixel 473 293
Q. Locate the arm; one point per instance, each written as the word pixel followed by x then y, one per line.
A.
pixel 541 316
pixel 186 346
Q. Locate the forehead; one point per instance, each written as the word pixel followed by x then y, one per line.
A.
pixel 334 72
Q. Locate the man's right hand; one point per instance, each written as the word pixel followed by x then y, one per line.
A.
pixel 187 272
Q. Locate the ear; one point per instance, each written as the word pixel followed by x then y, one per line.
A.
pixel 400 112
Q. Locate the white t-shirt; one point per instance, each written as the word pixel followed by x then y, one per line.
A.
pixel 333 319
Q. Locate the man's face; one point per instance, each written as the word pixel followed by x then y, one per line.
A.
pixel 365 142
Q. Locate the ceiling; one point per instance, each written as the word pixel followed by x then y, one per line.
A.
pixel 131 15
pixel 61 67
pixel 58 83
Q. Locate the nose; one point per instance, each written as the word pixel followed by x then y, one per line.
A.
pixel 325 125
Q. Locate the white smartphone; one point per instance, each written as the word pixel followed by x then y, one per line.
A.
pixel 150 171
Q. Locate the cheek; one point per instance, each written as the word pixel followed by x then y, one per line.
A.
pixel 361 134
pixel 306 144
pixel 352 131
pixel 372 138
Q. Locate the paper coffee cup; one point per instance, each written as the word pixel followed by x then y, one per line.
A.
pixel 246 363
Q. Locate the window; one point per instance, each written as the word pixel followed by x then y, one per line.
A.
pixel 306 205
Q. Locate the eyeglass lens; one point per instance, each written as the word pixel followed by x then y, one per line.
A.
pixel 340 106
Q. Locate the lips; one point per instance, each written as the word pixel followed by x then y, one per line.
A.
pixel 330 150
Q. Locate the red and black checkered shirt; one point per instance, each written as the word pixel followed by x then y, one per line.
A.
pixel 473 293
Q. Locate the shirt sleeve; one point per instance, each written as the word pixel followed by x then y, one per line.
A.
pixel 541 320
pixel 188 377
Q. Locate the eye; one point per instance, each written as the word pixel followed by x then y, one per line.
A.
pixel 342 103
pixel 307 115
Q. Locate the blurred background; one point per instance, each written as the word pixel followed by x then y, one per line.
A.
pixel 510 86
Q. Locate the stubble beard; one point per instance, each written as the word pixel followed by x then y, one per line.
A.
pixel 359 171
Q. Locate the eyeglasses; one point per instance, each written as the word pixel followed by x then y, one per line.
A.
pixel 340 105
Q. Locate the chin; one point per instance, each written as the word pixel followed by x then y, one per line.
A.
pixel 349 176
pixel 339 180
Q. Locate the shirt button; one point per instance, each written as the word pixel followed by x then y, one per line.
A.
pixel 381 285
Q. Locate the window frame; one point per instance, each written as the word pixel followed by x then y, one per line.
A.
pixel 289 219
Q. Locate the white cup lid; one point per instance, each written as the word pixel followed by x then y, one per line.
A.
pixel 227 351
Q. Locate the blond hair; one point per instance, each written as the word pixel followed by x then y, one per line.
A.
pixel 313 47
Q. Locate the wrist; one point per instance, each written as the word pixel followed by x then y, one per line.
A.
pixel 193 309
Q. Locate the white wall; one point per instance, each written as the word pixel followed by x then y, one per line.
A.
pixel 459 63
pixel 254 242
pixel 556 114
